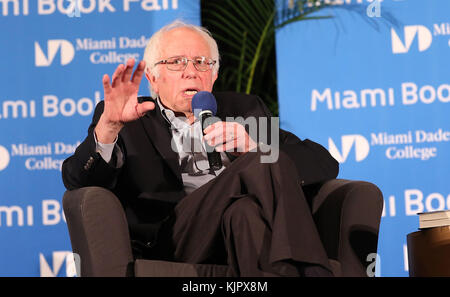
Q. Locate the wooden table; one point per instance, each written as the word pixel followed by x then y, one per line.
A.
pixel 429 252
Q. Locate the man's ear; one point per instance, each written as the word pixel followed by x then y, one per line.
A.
pixel 152 80
pixel 214 78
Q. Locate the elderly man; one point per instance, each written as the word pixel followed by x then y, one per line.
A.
pixel 249 215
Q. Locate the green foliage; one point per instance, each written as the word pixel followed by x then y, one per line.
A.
pixel 245 32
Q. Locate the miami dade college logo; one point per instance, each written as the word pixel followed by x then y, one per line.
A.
pixel 72 261
pixel 424 39
pixel 347 142
pixel 64 47
pixel 4 158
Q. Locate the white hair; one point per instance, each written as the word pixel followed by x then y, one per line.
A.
pixel 152 52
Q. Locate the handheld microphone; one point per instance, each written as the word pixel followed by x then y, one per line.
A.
pixel 204 106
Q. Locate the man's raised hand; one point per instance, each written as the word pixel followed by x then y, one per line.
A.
pixel 121 104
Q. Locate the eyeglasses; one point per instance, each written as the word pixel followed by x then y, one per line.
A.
pixel 179 63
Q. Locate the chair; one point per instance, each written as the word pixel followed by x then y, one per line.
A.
pixel 347 214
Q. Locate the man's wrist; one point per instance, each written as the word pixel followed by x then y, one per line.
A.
pixel 105 149
pixel 107 132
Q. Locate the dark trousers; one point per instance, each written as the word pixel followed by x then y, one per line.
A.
pixel 253 217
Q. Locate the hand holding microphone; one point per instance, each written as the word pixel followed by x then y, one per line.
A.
pixel 204 106
pixel 219 136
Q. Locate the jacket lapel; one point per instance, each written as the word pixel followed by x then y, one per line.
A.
pixel 158 131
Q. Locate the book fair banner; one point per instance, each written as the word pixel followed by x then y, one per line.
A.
pixel 372 85
pixel 53 56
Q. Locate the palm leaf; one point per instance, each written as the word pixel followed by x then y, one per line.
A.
pixel 256 57
pixel 241 62
pixel 245 31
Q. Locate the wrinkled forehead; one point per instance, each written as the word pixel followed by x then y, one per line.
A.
pixel 184 42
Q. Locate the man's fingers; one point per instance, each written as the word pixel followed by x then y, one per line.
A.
pixel 215 136
pixel 142 108
pixel 128 70
pixel 215 129
pixel 117 76
pixel 146 106
pixel 221 133
pixel 220 138
pixel 212 127
pixel 230 146
pixel 106 85
pixel 138 73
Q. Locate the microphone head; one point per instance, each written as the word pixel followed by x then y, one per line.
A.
pixel 202 101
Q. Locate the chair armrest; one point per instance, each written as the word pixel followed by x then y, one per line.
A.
pixel 347 214
pixel 98 231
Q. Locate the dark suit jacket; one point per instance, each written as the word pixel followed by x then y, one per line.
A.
pixel 149 183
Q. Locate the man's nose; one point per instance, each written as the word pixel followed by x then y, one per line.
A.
pixel 190 70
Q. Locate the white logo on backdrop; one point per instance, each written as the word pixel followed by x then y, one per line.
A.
pixel 72 261
pixel 424 39
pixel 418 145
pixel 74 9
pixel 66 49
pixel 48 156
pixel 347 142
pixel 4 158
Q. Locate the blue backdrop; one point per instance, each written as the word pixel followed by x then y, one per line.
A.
pixel 52 64
pixel 375 91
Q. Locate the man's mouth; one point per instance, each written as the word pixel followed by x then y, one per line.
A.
pixel 190 92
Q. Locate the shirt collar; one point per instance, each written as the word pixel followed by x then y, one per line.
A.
pixel 170 116
pixel 178 122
